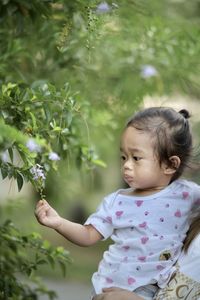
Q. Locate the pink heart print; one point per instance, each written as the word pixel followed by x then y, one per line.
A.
pixel 131 280
pixel 126 248
pixel 143 225
pixel 138 202
pixel 178 213
pixel 119 213
pixel 159 267
pixel 125 259
pixel 142 258
pixel 144 239
pixel 109 280
pixel 109 219
pixel 185 195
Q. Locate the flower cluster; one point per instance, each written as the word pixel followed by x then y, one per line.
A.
pixel 34 147
pixel 38 172
pixel 39 177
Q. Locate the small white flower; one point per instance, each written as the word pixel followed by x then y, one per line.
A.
pixel 103 8
pixel 4 156
pixel 148 71
pixel 33 146
pixel 54 156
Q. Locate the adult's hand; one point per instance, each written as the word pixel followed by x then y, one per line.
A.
pixel 115 293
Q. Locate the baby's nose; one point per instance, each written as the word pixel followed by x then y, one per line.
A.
pixel 128 164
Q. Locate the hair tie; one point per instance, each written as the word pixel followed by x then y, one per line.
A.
pixel 184 113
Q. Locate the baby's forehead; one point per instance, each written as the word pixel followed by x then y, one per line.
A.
pixel 133 132
pixel 137 140
pixel 132 149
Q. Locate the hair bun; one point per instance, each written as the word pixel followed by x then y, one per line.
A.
pixel 184 113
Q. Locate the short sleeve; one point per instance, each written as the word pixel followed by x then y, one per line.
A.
pixel 102 218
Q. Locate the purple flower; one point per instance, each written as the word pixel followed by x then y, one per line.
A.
pixel 37 172
pixel 33 146
pixel 54 156
pixel 148 71
pixel 103 8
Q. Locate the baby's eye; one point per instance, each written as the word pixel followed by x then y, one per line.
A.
pixel 123 157
pixel 136 158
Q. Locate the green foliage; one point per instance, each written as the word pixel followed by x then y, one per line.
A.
pixel 39 125
pixel 50 119
pixel 24 254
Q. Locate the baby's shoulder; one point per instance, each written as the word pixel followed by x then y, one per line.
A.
pixel 189 188
pixel 114 196
pixel 187 184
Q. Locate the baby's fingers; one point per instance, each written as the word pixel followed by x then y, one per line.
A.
pixel 41 207
pixel 41 214
pixel 41 204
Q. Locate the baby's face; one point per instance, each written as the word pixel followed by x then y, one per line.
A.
pixel 140 166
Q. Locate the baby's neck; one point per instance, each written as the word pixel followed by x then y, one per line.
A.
pixel 146 192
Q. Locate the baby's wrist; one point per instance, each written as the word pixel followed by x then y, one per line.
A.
pixel 58 226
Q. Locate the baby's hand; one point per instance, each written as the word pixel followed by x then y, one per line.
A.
pixel 46 215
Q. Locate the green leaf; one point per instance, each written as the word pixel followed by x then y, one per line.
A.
pixel 99 162
pixel 20 181
pixel 35 235
pixel 51 260
pixel 11 172
pixel 33 121
pixel 13 247
pixel 63 268
pixel 25 239
pixel 10 151
pixel 57 129
pixel 4 172
pixel 28 272
pixel 41 262
pixel 46 244
pixel 60 250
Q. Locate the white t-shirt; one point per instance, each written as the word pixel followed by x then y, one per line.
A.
pixel 147 232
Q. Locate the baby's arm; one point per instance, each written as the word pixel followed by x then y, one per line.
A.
pixel 82 235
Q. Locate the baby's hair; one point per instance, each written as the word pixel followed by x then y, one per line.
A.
pixel 170 132
pixel 193 231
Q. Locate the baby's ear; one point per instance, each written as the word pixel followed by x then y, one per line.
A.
pixel 174 163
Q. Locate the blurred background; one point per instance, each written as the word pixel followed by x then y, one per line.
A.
pixel 112 58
